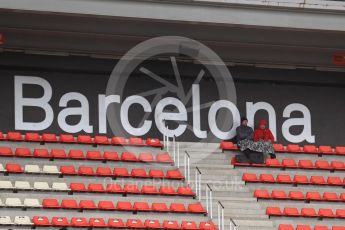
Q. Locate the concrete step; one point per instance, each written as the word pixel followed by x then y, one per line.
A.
pixel 253 223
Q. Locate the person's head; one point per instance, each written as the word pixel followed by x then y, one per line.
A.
pixel 244 121
pixel 262 124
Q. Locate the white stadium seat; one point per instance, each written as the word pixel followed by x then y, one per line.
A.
pixel 30 202
pixel 22 185
pixel 2 169
pixel 41 185
pixel 6 185
pixel 13 202
pixel 60 186
pixel 22 220
pixel 32 169
pixel 51 169
pixel 1 204
pixel 5 220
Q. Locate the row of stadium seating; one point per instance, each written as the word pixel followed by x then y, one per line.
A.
pixel 308 227
pixel 102 205
pixel 80 139
pixel 291 163
pixel 299 195
pixel 43 221
pixel 305 212
pixel 90 155
pixel 298 179
pixel 293 148
pixel 173 174
pixel 98 188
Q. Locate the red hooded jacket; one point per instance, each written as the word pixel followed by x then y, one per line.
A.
pixel 263 134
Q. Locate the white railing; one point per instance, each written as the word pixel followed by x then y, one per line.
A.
pixel 209 200
pixel 197 183
pixel 220 215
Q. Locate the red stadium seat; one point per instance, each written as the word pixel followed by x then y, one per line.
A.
pixel 249 177
pixel 308 212
pixel 93 187
pixel 40 221
pixel 101 140
pixel 50 203
pixel 79 222
pixel 60 222
pixel 2 137
pixel 69 204
pixel 303 227
pixel 185 191
pixel 273 163
pixel 171 224
pixel 273 211
pixel 106 205
pixel 128 156
pixel 67 138
pixel 281 178
pixel 131 188
pixel 334 180
pixel 167 190
pixel 177 207
pixel 330 196
pixel 159 207
pixel 49 137
pixel 325 212
pixel 342 197
pixel 319 180
pixel 35 137
pixel 14 136
pixel 97 222
pixel 114 188
pixel 207 226
pixel 296 195
pixel 110 156
pixel 137 141
pixel 141 206
pixel 154 142
pixel 310 149
pixel 291 211
pixel 174 174
pixel 286 227
pixel 289 163
pixel 68 170
pixel 149 189
pixel 104 171
pixel 227 145
pixel 338 165
pixel 76 154
pixel 152 224
pixel 279 194
pixel 189 225
pixel 340 213
pixel 94 155
pixel 6 152
pixel 77 187
pixel 164 158
pixel 14 168
pixel 320 227
pixel 156 173
pixel 338 228
pixel 116 223
pixel 300 179
pixel 23 152
pixel 119 141
pixel 121 172
pixel 84 139
pixel 325 149
pixel 139 173
pixel 124 206
pixel 278 147
pixel 134 223
pixel 86 171
pixel 87 204
pixel 262 194
pixel 340 150
pixel 305 164
pixel 43 153
pixel 292 148
pixel 196 208
pixel 322 164
pixel 313 196
pixel 146 157
pixel 58 153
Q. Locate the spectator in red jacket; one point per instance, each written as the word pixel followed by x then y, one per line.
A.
pixel 262 133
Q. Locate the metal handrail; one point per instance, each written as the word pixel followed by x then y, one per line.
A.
pixel 209 200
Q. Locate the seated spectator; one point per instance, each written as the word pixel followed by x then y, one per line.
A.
pixel 244 132
pixel 264 137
